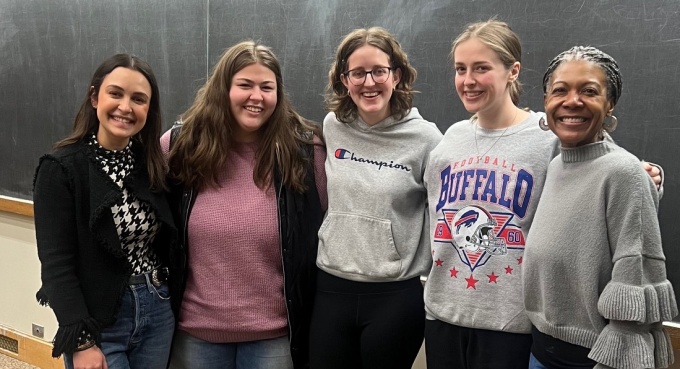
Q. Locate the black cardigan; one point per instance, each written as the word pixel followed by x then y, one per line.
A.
pixel 84 270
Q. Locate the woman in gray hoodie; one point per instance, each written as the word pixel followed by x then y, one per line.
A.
pixel 373 244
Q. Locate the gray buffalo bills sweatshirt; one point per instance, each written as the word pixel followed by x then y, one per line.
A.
pixel 375 229
pixel 483 187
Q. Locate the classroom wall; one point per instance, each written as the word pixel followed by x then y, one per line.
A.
pixel 20 278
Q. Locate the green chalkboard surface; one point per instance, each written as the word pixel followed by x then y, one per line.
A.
pixel 49 48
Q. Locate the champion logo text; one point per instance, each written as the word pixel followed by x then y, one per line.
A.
pixel 344 154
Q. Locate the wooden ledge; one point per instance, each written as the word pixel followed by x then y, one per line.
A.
pixel 16 206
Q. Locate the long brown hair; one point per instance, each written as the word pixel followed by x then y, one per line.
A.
pixel 338 99
pixel 87 123
pixel 200 151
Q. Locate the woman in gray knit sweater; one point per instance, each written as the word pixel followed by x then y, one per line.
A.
pixel 595 285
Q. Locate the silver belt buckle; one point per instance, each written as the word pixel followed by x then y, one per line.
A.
pixel 155 278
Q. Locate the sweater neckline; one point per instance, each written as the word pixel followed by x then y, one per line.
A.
pixel 530 121
pixel 586 152
pixel 107 154
pixel 245 147
pixel 387 122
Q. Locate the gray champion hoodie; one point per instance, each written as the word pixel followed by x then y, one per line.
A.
pixel 376 227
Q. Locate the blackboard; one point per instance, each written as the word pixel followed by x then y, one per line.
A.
pixel 49 48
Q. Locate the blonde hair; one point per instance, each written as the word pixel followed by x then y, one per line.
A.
pixel 502 40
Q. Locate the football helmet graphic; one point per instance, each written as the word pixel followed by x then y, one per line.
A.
pixel 473 230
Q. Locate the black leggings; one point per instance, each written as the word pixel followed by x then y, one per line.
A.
pixel 363 325
pixel 451 346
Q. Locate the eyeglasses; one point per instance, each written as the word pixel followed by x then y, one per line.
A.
pixel 358 76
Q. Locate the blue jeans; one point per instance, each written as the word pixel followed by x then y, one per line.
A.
pixel 142 334
pixel 535 364
pixel 189 352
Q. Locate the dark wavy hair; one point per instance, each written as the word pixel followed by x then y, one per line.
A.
pixel 200 152
pixel 87 123
pixel 337 95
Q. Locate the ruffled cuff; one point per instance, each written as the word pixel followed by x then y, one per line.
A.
pixel 67 338
pixel 663 349
pixel 625 345
pixel 42 298
pixel 642 304
pixel 84 337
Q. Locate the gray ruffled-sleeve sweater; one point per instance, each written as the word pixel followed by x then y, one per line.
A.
pixel 594 268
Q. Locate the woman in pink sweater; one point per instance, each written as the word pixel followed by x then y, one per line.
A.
pixel 249 188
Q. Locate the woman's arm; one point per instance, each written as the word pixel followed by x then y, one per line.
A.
pixel 320 172
pixel 639 296
pixel 57 240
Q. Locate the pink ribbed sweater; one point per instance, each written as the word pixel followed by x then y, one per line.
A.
pixel 234 290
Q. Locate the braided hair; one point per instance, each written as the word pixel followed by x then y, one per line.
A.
pixel 593 55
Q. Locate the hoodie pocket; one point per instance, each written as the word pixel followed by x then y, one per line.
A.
pixel 360 245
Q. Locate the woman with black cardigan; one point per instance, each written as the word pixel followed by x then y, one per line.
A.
pixel 104 229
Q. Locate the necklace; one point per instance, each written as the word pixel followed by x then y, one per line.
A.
pixel 476 124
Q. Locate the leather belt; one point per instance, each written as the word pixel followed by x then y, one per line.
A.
pixel 157 277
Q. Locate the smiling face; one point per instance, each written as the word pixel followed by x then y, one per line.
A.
pixel 576 102
pixel 253 98
pixel 482 81
pixel 372 99
pixel 122 105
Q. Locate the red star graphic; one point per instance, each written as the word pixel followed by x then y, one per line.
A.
pixel 439 262
pixel 493 277
pixel 519 261
pixel 508 270
pixel 454 272
pixel 471 282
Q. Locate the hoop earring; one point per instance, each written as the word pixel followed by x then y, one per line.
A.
pixel 543 125
pixel 610 124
